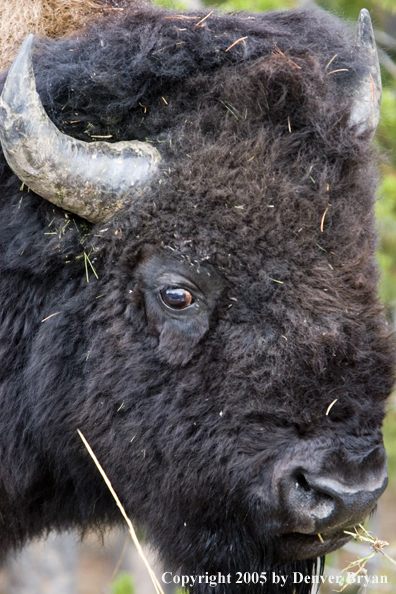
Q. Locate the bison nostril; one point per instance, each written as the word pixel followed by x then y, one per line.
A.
pixel 301 481
pixel 310 499
pixel 317 493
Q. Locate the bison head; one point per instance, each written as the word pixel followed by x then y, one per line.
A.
pixel 230 363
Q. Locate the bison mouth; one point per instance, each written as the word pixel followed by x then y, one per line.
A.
pixel 297 546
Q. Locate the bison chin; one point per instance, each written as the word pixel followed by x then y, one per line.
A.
pixel 297 547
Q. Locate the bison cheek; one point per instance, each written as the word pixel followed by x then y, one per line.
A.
pixel 178 338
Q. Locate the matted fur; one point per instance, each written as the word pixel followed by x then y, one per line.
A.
pixel 255 147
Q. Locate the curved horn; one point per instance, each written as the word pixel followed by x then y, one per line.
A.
pixel 90 179
pixel 366 106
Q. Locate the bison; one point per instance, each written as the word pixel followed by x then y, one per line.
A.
pixel 188 277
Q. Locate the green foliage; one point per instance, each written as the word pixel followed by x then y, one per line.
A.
pixel 387 5
pixel 172 4
pixel 123 584
pixel 386 223
pixel 386 134
pixel 389 431
pixel 345 9
pixel 252 5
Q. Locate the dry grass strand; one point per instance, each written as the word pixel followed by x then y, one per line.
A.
pixel 322 220
pixel 132 532
pixel 235 42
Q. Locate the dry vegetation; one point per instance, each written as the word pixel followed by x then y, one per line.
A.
pixel 53 18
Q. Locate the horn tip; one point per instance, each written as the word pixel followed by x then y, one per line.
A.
pixel 21 68
pixel 28 43
pixel 365 30
pixel 24 55
pixel 364 15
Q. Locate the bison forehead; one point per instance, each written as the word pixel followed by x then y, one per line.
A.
pixel 256 161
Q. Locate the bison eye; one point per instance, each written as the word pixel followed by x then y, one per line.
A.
pixel 176 297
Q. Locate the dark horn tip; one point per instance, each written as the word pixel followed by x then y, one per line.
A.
pixel 365 30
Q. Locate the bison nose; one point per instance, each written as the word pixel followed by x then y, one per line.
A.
pixel 318 501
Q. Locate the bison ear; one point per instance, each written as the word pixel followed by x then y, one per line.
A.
pixel 366 105
pixel 91 179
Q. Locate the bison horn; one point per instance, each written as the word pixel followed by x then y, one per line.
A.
pixel 91 179
pixel 367 96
